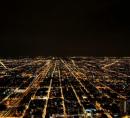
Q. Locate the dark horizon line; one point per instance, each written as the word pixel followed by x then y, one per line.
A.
pixel 46 56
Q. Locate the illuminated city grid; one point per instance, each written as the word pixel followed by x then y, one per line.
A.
pixel 71 87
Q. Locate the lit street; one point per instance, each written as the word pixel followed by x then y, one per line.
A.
pixel 71 87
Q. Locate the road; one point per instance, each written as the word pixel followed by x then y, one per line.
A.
pixel 58 87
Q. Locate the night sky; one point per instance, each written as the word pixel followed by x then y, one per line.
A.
pixel 64 28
